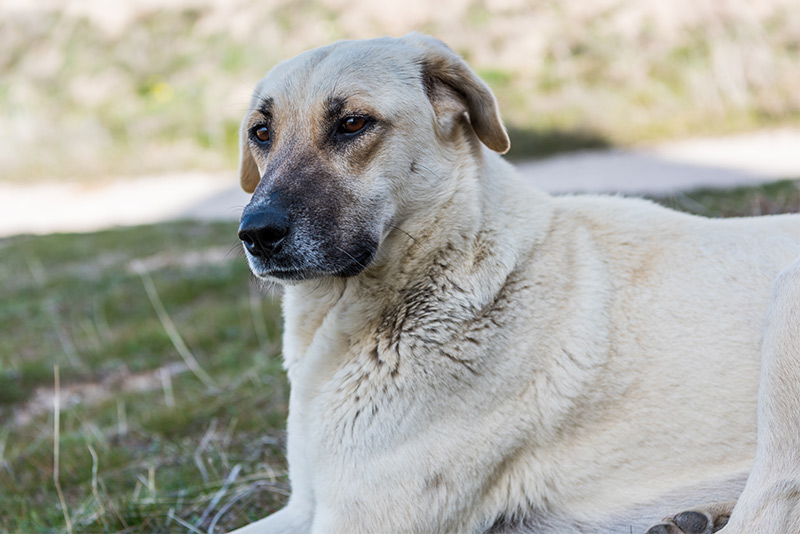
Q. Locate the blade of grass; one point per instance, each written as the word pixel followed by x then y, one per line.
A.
pixel 63 337
pixel 219 494
pixel 122 418
pixel 183 523
pixel 247 492
pixel 95 491
pixel 166 385
pixel 198 453
pixel 57 446
pixel 171 330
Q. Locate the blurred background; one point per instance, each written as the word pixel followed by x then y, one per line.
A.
pixel 92 89
pixel 140 381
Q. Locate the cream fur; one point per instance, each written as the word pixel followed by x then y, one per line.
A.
pixel 569 364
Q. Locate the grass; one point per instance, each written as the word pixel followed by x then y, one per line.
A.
pixel 550 141
pixel 145 442
pixel 769 199
pixel 145 445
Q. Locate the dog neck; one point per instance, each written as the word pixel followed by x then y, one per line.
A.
pixel 424 250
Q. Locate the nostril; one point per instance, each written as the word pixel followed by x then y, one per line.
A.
pixel 249 242
pixel 262 232
pixel 246 238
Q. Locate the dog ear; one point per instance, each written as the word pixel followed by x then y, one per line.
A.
pixel 445 72
pixel 249 175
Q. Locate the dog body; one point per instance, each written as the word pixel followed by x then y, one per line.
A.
pixel 467 354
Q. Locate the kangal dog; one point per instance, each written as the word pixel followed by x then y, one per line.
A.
pixel 470 355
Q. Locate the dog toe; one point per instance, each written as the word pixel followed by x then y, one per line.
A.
pixel 663 528
pixel 692 522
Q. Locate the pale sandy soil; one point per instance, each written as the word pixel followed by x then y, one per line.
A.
pixel 666 168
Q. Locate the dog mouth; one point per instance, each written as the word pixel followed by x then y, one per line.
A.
pixel 286 240
pixel 288 267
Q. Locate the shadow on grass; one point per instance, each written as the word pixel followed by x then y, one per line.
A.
pixel 539 143
pixel 768 199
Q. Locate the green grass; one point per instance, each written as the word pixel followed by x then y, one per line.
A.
pixel 770 199
pixel 76 301
pixel 529 142
pixel 140 452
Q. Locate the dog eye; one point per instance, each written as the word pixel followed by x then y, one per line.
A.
pixel 261 133
pixel 351 125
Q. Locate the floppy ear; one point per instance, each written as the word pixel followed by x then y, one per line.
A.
pixel 444 69
pixel 249 175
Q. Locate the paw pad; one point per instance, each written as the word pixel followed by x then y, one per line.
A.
pixel 663 528
pixel 692 522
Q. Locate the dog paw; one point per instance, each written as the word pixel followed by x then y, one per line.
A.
pixel 702 521
pixel 684 523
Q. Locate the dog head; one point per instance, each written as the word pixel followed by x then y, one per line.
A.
pixel 344 142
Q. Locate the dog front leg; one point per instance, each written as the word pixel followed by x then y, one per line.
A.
pixel 393 502
pixel 342 518
pixel 289 520
pixel 297 515
pixel 770 502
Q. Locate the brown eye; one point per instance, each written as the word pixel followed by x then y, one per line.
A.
pixel 352 125
pixel 262 134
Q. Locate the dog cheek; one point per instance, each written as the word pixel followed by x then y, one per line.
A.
pixel 328 226
pixel 337 218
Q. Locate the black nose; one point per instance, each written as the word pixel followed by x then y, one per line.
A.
pixel 262 232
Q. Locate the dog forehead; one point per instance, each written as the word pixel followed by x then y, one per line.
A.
pixel 377 70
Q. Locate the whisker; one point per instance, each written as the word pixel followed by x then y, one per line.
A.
pixel 414 239
pixel 352 258
pixel 236 250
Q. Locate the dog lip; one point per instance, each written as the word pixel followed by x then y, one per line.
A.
pixel 267 269
pixel 273 267
pixel 294 274
pixel 359 261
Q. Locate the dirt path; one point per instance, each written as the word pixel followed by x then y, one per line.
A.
pixel 667 168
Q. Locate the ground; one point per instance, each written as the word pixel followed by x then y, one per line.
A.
pixel 171 396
